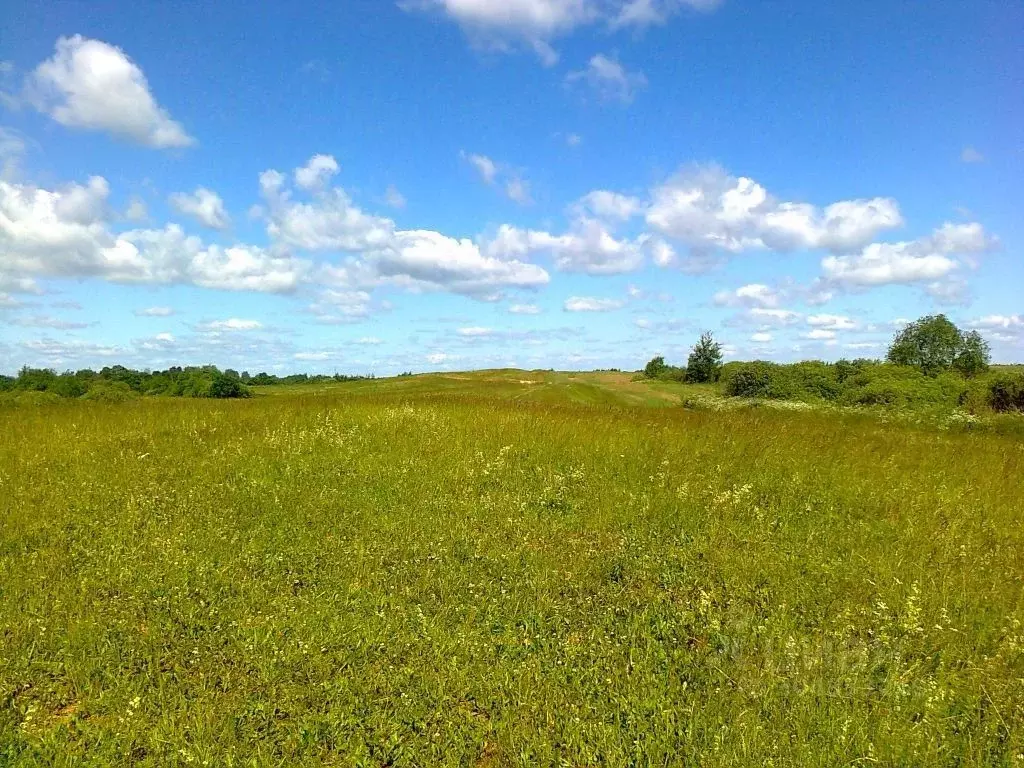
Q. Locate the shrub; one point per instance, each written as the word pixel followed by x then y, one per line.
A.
pixel 814 379
pixel 1006 392
pixel 225 386
pixel 900 386
pixel 110 392
pixel 655 367
pixel 756 379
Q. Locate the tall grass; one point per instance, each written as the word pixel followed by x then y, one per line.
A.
pixel 438 577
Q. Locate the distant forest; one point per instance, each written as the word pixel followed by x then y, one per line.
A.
pixel 117 382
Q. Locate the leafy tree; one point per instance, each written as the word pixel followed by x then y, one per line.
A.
pixel 705 361
pixel 934 344
pixel 224 386
pixel 974 355
pixel 655 367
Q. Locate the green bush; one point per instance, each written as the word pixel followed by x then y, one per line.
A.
pixel 902 386
pixel 808 381
pixel 756 379
pixel 1006 392
pixel 223 385
pixel 815 379
pixel 110 392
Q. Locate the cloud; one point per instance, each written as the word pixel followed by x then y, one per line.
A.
pixel 316 173
pixel 370 340
pixel 64 232
pixel 1007 329
pixel 573 139
pixel 505 25
pixel 487 168
pixel 518 191
pixel 608 205
pixel 588 247
pixel 709 210
pixel 427 259
pixel 818 334
pixel 752 295
pixel 997 322
pixel 770 316
pixel 608 79
pixel 515 186
pixel 136 210
pixel 204 206
pixel 831 322
pixel 335 307
pixel 329 222
pixel 643 13
pixel 13 147
pixel 9 302
pixel 91 85
pixel 232 324
pixel 393 197
pixel 475 331
pixel 761 337
pixel 57 232
pixel 971 155
pixel 524 309
pixel 591 304
pixel 154 312
pixel 662 254
pixel 312 355
pixel 926 259
pixel 48 321
pixel 170 256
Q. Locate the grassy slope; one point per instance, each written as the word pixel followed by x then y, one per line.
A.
pixel 469 570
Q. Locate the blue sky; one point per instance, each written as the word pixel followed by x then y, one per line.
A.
pixel 455 184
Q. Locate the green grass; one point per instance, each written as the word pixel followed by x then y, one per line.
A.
pixel 470 570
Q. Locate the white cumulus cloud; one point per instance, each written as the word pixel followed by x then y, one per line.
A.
pixel 707 209
pixel 204 206
pixel 926 259
pixel 229 325
pixel 92 85
pixel 752 295
pixel 591 304
pixel 317 172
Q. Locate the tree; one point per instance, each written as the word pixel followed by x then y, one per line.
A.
pixel 705 361
pixel 655 367
pixel 934 344
pixel 224 386
pixel 974 355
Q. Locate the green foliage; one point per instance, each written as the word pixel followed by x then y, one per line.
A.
pixel 974 355
pixel 705 361
pixel 431 571
pixel 1006 392
pixel 655 367
pixel 110 392
pixel 807 381
pixel 934 344
pixel 756 379
pixel 867 383
pixel 224 385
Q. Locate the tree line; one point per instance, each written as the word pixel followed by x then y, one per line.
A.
pixel 117 382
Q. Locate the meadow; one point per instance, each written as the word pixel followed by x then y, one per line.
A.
pixel 506 568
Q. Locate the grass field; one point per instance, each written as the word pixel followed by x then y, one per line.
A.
pixel 473 570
